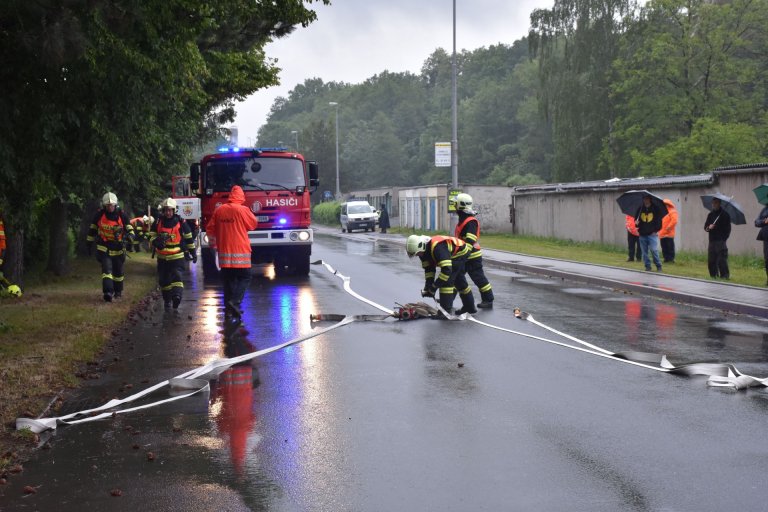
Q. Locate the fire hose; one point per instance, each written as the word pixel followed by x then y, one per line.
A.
pixel 197 380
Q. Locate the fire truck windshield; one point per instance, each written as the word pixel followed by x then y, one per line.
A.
pixel 264 173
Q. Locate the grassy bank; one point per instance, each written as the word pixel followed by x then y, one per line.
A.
pixel 59 324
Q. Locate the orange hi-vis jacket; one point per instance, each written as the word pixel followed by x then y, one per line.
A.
pixel 631 227
pixel 669 221
pixel 228 231
pixel 469 231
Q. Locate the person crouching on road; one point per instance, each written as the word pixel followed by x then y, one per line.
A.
pixel 227 232
pixel 172 242
pixel 468 230
pixel 450 254
pixel 110 230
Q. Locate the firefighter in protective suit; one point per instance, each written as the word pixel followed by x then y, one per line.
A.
pixel 450 255
pixel 172 242
pixel 468 229
pixel 110 230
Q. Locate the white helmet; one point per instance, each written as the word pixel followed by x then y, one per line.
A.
pixel 168 203
pixel 145 219
pixel 464 203
pixel 415 244
pixel 109 198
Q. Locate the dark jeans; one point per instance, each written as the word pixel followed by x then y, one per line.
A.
pixel 633 244
pixel 668 249
pixel 236 281
pixel 717 259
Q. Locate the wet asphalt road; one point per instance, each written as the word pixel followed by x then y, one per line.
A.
pixel 422 415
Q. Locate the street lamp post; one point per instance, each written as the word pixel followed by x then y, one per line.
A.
pixel 296 134
pixel 454 128
pixel 338 190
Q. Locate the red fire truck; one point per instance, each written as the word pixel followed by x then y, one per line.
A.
pixel 277 185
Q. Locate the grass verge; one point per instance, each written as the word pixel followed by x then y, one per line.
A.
pixel 46 337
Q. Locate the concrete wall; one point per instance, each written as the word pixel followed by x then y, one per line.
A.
pixel 594 216
pixel 586 214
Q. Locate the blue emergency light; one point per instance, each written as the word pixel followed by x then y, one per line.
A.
pixel 282 220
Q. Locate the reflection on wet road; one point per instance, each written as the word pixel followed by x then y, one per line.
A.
pixel 421 415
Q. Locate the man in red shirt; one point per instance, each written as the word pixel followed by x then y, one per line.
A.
pixel 228 235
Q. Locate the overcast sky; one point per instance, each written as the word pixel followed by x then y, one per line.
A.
pixel 353 40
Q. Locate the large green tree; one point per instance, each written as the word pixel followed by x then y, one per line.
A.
pixel 110 95
pixel 692 75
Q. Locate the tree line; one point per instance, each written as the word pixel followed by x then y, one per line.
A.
pixel 598 89
pixel 114 95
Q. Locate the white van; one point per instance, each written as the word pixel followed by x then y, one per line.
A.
pixel 357 215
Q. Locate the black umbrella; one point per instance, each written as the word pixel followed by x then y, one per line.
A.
pixel 632 200
pixel 727 204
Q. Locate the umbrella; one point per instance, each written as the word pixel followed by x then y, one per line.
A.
pixel 726 203
pixel 631 201
pixel 762 193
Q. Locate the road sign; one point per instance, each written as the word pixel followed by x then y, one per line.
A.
pixel 442 154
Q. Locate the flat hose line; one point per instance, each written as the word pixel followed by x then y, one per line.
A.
pixel 198 380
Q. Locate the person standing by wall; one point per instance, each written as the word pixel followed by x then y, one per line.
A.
pixel 718 225
pixel 667 233
pixel 227 232
pixel 761 222
pixel 468 230
pixel 172 241
pixel 383 218
pixel 2 243
pixel 648 221
pixel 110 230
pixel 633 240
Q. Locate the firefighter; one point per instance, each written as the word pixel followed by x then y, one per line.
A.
pixel 111 230
pixel 468 229
pixel 141 227
pixel 227 232
pixel 172 241
pixel 450 254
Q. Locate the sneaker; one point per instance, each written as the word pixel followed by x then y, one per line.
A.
pixel 176 302
pixel 647 269
pixel 107 297
pixel 485 305
pixel 658 268
pixel 630 259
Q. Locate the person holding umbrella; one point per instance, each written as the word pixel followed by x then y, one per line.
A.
pixel 718 225
pixel 761 222
pixel 648 221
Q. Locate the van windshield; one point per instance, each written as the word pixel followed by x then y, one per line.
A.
pixel 359 208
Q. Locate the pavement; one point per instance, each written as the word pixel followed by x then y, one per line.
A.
pixel 722 295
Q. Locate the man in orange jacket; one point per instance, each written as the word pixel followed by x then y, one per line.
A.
pixel 667 233
pixel 633 240
pixel 228 235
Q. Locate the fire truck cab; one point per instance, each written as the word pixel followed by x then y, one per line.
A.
pixel 277 185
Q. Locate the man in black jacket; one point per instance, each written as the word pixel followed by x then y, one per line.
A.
pixel 648 221
pixel 718 225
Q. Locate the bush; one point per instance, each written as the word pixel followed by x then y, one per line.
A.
pixel 327 213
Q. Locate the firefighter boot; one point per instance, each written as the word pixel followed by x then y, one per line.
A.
pixel 167 299
pixel 446 301
pixel 486 299
pixel 467 303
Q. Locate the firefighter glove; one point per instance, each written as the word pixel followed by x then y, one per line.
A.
pixel 429 292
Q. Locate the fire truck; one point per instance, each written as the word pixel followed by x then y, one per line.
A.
pixel 277 185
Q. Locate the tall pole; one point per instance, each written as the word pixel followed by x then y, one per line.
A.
pixel 296 134
pixel 454 113
pixel 338 190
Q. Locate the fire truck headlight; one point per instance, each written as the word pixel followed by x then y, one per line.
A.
pixel 294 236
pixel 303 236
